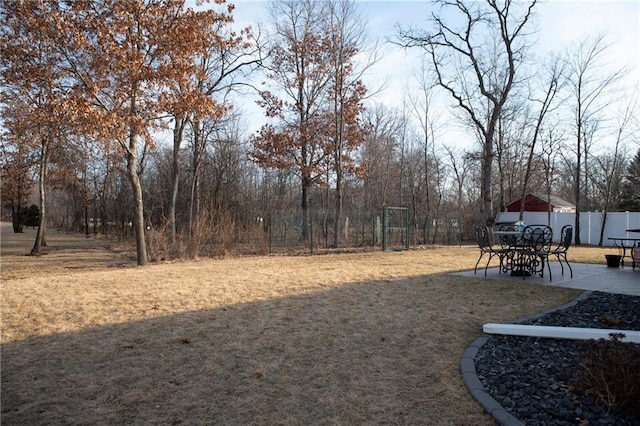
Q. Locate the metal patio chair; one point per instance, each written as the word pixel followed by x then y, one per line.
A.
pixel 536 249
pixel 483 238
pixel 560 252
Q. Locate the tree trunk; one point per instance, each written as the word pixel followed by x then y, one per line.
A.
pixel 527 176
pixel 577 185
pixel 86 219
pixel 194 203
pixel 338 103
pixel 306 184
pixel 338 215
pixel 548 189
pixel 40 235
pixel 16 219
pixel 487 167
pixel 427 193
pixel 136 189
pixel 437 219
pixel 178 131
pixel 138 217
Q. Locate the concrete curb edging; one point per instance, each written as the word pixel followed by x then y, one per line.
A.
pixel 560 332
pixel 470 377
pixel 473 383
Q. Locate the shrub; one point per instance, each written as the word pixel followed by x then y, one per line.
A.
pixel 32 216
pixel 609 371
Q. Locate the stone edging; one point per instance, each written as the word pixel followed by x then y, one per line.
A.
pixel 470 376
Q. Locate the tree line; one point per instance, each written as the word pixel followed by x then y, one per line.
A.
pixel 126 119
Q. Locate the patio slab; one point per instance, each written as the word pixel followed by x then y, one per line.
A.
pixel 586 276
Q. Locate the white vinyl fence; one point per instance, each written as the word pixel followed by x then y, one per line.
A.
pixel 590 224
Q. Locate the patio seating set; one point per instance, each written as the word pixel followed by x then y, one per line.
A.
pixel 628 248
pixel 524 250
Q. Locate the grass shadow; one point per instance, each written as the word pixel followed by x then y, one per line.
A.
pixel 371 353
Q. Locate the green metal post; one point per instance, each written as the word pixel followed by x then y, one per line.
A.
pixel 385 226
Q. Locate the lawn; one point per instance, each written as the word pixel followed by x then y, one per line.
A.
pixel 356 338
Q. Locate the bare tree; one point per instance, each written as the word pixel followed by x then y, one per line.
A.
pixel 124 59
pixel 476 63
pixel 380 153
pixel 35 92
pixel 590 93
pixel 423 104
pixel 16 173
pixel 460 167
pixel 510 146
pixel 225 62
pixel 612 166
pixel 551 147
pixel 299 74
pixel 629 194
pixel 550 85
pixel 347 32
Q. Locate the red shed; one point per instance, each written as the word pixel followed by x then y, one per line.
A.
pixel 540 203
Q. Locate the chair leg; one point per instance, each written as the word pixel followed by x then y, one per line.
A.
pixel 560 261
pixel 568 264
pixel 542 262
pixel 487 265
pixel 504 261
pixel 475 269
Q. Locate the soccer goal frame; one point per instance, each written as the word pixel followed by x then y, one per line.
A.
pixel 395 221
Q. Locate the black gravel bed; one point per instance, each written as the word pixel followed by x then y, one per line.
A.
pixel 530 377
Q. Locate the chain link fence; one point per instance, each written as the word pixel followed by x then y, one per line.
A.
pixel 357 230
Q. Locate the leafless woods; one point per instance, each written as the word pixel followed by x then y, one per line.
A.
pixel 126 119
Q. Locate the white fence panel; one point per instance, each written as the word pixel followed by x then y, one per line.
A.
pixel 590 224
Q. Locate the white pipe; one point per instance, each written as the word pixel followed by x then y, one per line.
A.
pixel 559 332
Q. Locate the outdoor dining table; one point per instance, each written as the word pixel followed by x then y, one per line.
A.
pixel 622 243
pixel 529 250
pixel 514 263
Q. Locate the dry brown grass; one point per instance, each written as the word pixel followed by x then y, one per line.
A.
pixel 372 338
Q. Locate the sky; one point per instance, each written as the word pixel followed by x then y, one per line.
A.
pixel 561 24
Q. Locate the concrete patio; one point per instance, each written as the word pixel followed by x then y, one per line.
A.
pixel 592 277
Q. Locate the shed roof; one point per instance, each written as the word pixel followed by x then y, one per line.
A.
pixel 553 200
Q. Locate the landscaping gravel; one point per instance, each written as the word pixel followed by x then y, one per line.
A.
pixel 529 376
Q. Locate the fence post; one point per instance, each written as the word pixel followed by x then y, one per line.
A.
pixel 627 223
pixel 408 232
pixel 385 227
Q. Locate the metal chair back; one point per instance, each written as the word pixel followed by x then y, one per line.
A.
pixel 507 241
pixel 482 237
pixel 566 236
pixel 538 238
pixel 560 252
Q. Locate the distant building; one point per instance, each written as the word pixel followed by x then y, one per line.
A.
pixel 540 203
